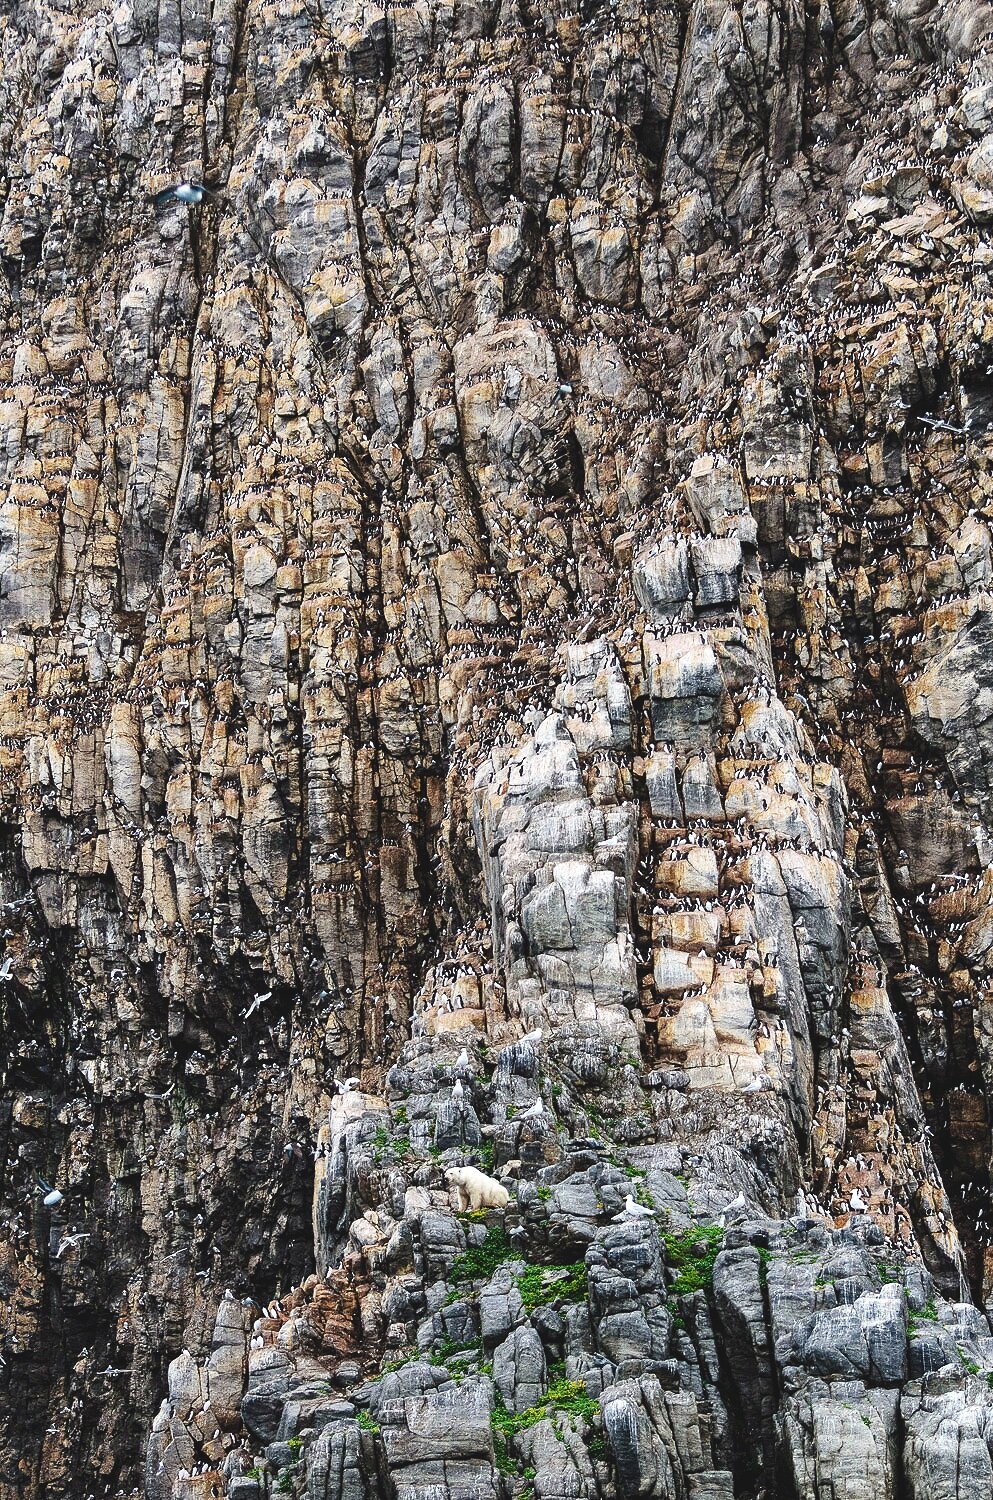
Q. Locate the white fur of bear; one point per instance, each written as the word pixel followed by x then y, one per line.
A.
pixel 474 1190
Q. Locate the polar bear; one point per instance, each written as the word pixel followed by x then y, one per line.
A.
pixel 474 1190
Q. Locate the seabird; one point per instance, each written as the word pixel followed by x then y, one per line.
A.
pixel 190 193
pixel 634 1210
pixel 52 1197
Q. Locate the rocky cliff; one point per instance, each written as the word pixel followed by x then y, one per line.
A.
pixel 496 671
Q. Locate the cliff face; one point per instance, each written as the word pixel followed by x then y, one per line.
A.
pixel 497 605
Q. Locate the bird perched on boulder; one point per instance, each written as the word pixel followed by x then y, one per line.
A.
pixel 634 1210
pixel 733 1207
pixel 190 193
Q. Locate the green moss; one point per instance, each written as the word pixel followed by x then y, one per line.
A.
pixel 294 1444
pixel 563 1397
pixel 927 1314
pixel 387 1143
pixel 449 1350
pixel 366 1422
pixel 692 1253
pixel 400 1361
pixel 285 1483
pixel 480 1261
pixel 544 1192
pixel 540 1286
pixel 501 1456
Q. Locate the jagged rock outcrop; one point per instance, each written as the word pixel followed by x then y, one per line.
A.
pixel 495 651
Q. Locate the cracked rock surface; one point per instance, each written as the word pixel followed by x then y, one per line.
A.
pixel 496 672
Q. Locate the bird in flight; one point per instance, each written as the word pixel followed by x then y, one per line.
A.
pixel 191 193
pixel 52 1197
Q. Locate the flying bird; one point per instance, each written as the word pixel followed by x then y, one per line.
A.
pixel 66 1243
pixel 190 193
pixel 52 1197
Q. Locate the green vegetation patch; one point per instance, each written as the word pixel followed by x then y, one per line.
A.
pixel 480 1261
pixel 541 1285
pixel 449 1349
pixel 563 1398
pixel 692 1253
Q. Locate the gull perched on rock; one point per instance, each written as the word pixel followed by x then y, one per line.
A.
pixel 190 193
pixel 634 1210
pixel 348 1085
pixel 733 1206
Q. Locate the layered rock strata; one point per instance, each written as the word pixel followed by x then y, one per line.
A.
pixel 495 645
